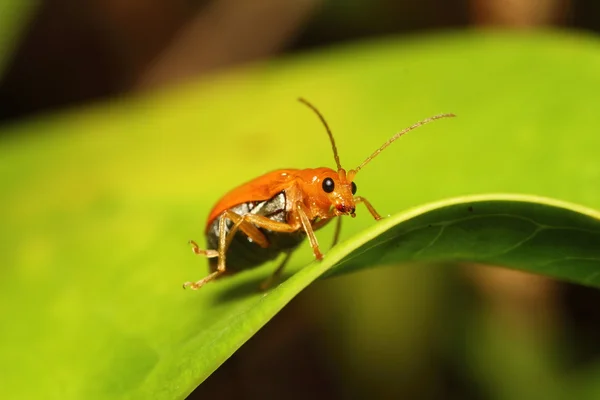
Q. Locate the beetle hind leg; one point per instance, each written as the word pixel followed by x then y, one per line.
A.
pixel 220 253
pixel 208 254
pixel 197 285
pixel 240 223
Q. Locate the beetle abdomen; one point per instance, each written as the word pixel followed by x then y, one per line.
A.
pixel 243 253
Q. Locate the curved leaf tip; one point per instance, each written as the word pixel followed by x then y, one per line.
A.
pixel 532 233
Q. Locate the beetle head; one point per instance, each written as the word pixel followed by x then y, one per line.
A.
pixel 333 190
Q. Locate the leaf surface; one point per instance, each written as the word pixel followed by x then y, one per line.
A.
pixel 97 204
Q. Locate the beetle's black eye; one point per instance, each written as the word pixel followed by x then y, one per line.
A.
pixel 328 185
pixel 353 188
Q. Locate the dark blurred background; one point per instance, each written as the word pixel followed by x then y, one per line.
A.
pixel 79 51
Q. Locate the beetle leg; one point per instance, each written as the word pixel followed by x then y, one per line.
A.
pixel 275 276
pixel 250 224
pixel 221 258
pixel 338 227
pixel 263 222
pixel 269 224
pixel 375 214
pixel 266 223
pixel 309 230
pixel 225 238
pixel 206 253
pixel 243 223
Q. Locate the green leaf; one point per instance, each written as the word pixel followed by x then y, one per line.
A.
pixel 534 234
pixel 97 205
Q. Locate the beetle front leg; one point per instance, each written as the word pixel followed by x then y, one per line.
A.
pixel 243 224
pixel 375 214
pixel 266 223
pixel 312 238
pixel 338 227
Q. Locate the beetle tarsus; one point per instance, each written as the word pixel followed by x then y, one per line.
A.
pixel 194 285
pixel 198 251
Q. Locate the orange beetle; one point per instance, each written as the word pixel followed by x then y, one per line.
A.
pixel 273 213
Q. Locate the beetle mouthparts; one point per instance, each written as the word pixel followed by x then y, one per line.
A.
pixel 343 210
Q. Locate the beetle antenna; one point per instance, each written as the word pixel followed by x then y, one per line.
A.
pixel 397 135
pixel 335 153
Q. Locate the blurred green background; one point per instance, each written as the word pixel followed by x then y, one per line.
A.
pixel 73 74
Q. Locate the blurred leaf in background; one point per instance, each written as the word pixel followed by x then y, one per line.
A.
pixel 14 16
